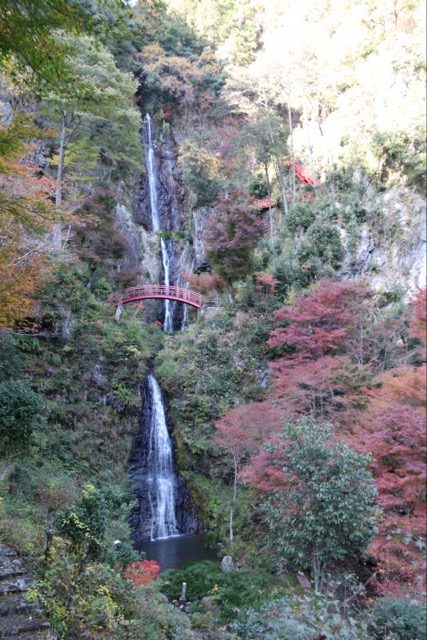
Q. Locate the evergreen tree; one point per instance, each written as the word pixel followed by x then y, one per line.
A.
pixel 325 511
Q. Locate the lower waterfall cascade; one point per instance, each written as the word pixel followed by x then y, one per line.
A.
pixel 165 507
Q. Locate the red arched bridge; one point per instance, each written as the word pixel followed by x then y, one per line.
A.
pixel 159 291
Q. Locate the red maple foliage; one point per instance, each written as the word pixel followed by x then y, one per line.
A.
pixel 341 360
pixel 247 427
pixel 262 472
pixel 204 283
pixel 231 234
pixel 266 283
pixel 393 430
pixel 243 431
pixel 321 368
pixel 309 389
pixel 317 324
pixel 142 572
pixel 340 317
pixel 418 328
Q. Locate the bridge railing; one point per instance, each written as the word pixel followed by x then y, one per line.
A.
pixel 156 291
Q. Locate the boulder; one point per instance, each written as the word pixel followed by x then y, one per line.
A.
pixel 227 564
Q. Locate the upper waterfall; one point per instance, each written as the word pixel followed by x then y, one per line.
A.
pixel 152 177
pixel 155 220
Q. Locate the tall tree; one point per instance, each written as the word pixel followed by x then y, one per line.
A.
pixel 241 432
pixel 28 47
pixel 26 216
pixel 21 413
pixel 325 511
pixel 393 430
pixel 250 91
pixel 100 126
pixel 231 235
pixel 339 317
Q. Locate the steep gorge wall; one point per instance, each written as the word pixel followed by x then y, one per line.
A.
pixel 388 248
pixel 391 247
pixel 134 219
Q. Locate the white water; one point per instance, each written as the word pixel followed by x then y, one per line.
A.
pixel 162 479
pixel 155 221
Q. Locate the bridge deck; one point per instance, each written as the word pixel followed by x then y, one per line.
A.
pixel 157 291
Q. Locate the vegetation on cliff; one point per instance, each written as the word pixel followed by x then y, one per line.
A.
pixel 298 397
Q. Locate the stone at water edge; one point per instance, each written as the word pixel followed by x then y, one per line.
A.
pixel 227 564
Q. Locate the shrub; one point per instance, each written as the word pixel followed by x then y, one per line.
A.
pixel 398 619
pixel 287 275
pixel 322 241
pixel 10 358
pixel 230 591
pixel 342 179
pixel 258 187
pixel 202 172
pixel 142 572
pixel 298 619
pixel 315 518
pixel 300 215
pixel 402 152
pixel 231 235
pixel 157 620
pixel 21 413
pixel 104 605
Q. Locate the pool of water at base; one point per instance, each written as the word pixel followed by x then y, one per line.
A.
pixel 177 551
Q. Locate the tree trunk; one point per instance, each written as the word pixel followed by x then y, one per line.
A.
pixel 317 567
pixel 6 469
pixel 276 158
pixel 231 524
pixel 119 309
pixel 270 213
pixel 291 130
pixel 310 152
pixel 282 184
pixel 230 292
pixel 57 239
pixel 50 528
pixel 233 502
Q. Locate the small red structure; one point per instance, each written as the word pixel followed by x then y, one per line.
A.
pixel 157 291
pixel 304 175
pixel 264 203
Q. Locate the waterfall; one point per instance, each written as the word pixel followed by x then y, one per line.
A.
pixel 164 508
pixel 168 321
pixel 184 319
pixel 161 478
pixel 155 220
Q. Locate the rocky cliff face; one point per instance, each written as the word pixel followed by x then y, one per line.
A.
pixel 199 219
pixel 170 191
pixel 391 248
pixel 144 251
